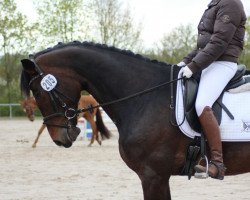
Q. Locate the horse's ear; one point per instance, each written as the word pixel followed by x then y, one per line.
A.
pixel 28 65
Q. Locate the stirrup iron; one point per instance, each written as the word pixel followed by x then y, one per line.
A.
pixel 202 175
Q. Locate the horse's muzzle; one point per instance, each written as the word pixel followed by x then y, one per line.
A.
pixel 72 133
pixel 68 137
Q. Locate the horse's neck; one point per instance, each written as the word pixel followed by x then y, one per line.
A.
pixel 87 101
pixel 112 76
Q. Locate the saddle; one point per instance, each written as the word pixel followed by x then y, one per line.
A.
pixel 190 93
pixel 197 146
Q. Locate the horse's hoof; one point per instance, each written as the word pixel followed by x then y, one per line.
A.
pixel 33 146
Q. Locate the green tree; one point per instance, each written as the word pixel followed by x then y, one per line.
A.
pixel 245 56
pixel 14 34
pixel 115 26
pixel 61 20
pixel 175 45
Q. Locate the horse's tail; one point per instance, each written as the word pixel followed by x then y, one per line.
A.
pixel 105 133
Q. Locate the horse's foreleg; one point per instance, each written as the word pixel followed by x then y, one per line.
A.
pixel 94 133
pixel 38 135
pixel 155 187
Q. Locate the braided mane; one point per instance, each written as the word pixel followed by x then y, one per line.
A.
pixel 61 45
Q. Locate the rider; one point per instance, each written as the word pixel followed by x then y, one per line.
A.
pixel 221 33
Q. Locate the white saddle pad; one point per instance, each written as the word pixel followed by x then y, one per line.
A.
pixel 231 130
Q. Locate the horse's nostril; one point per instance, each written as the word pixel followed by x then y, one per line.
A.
pixel 67 145
pixel 58 143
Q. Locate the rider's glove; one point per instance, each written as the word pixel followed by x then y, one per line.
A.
pixel 187 72
pixel 181 64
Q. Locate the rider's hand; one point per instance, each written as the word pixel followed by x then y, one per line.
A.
pixel 187 72
pixel 181 64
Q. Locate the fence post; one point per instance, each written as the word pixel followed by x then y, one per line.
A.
pixel 10 111
pixel 10 108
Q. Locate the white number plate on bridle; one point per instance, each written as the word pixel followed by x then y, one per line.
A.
pixel 48 82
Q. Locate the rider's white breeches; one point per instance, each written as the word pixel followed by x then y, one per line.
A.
pixel 213 80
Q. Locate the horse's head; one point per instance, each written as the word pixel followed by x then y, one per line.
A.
pixel 57 92
pixel 29 106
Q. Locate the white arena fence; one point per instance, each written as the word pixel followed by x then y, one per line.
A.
pixel 10 108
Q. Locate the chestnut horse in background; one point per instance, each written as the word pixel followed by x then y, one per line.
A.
pixel 29 105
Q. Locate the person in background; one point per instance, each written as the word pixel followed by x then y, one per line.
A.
pixel 221 32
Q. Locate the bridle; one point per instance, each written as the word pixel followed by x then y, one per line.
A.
pixel 56 96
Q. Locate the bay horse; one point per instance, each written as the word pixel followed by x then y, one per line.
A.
pixel 29 105
pixel 148 143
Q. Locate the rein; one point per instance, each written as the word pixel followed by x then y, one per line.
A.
pixel 71 113
pixel 128 97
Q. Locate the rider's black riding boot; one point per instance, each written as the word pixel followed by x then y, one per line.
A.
pixel 211 131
